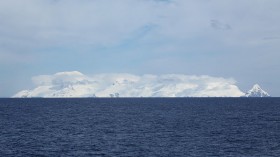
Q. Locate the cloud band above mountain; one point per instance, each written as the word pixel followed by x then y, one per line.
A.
pixel 76 84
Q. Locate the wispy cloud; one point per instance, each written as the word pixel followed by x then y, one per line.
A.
pixel 95 23
pixel 216 24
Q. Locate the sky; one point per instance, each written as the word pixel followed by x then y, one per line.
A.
pixel 231 39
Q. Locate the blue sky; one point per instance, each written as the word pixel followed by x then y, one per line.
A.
pixel 232 39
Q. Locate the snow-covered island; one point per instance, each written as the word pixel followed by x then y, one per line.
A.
pixel 257 91
pixel 76 84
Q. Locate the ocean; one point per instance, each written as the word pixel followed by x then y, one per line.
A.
pixel 140 127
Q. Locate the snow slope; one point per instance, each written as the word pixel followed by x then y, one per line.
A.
pixel 257 91
pixel 76 84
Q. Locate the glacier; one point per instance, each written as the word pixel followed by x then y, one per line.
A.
pixel 76 84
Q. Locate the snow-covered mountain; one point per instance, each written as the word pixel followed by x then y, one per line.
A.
pixel 257 91
pixel 76 84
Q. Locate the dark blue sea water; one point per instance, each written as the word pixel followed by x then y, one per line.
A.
pixel 140 127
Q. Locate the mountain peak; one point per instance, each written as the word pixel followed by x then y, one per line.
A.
pixel 257 91
pixel 256 86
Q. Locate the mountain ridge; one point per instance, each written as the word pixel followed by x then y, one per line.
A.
pixel 76 84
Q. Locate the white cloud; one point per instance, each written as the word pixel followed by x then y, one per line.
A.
pixel 76 84
pixel 101 22
pixel 176 26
